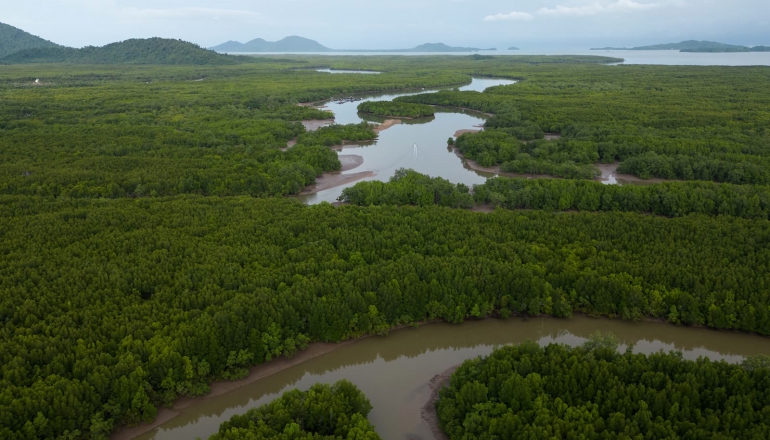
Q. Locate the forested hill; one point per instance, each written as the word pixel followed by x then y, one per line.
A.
pixel 135 51
pixel 288 44
pixel 13 40
pixel 693 46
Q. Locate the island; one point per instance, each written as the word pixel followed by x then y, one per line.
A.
pixel 301 44
pixel 513 48
pixel 694 46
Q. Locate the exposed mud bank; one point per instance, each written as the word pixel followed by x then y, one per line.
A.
pixel 315 124
pixel 436 384
pixel 386 125
pixel 459 133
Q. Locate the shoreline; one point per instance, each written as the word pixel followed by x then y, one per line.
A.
pixel 608 172
pixel 315 124
pixel 386 125
pixel 333 180
pixel 316 349
pixel 336 178
pixel 428 412
pixel 256 372
pixel 459 133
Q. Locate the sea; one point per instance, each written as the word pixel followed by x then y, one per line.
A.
pixel 659 57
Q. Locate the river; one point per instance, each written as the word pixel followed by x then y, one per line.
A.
pixel 418 144
pixel 394 371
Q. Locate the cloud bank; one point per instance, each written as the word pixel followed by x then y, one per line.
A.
pixel 515 15
pixel 594 8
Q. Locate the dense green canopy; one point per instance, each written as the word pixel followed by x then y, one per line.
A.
pixel 143 252
pixel 396 109
pixel 112 307
pixel 672 199
pixel 324 412
pixel 13 40
pixel 593 392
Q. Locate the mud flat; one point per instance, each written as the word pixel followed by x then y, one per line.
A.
pixel 315 124
pixel 386 125
pixel 436 384
pixel 611 176
pixel 459 133
pixel 350 161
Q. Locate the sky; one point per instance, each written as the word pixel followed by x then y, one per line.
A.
pixel 391 24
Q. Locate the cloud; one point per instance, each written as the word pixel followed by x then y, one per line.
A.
pixel 515 15
pixel 187 13
pixel 597 7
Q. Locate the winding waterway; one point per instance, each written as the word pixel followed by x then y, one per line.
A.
pixel 394 371
pixel 419 144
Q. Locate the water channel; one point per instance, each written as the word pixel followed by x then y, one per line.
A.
pixel 394 371
pixel 419 144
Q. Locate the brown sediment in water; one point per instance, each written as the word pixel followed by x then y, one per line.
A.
pixel 684 338
pixel 256 373
pixel 218 388
pixel 459 133
pixel 386 125
pixel 436 384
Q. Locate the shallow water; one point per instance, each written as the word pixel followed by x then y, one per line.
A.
pixel 394 370
pixel 419 144
pixel 363 72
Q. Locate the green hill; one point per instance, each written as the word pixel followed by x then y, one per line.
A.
pixel 135 51
pixel 288 44
pixel 13 40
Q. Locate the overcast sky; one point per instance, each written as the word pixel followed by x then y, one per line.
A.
pixel 388 24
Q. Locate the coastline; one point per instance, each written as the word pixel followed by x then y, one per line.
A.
pixel 436 384
pixel 336 178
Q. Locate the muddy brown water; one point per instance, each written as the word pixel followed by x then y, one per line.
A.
pixel 395 371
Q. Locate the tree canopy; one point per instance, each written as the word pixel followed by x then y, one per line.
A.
pixel 323 412
pixel 594 392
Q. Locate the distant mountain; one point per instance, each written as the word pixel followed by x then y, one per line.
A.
pixel 13 40
pixel 300 44
pixel 136 51
pixel 513 48
pixel 288 44
pixel 438 47
pixel 693 46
